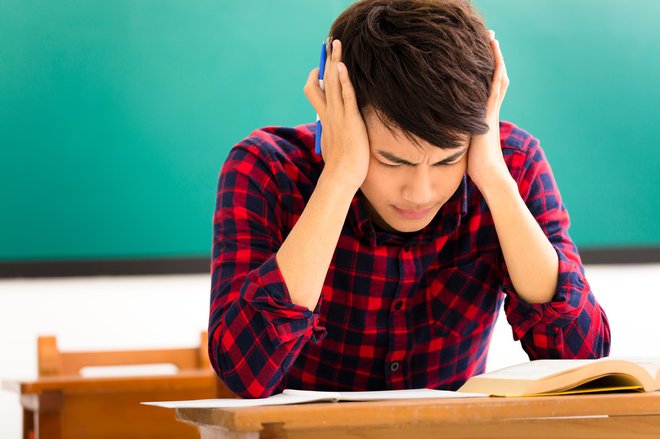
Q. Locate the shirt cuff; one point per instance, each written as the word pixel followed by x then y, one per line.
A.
pixel 563 308
pixel 266 291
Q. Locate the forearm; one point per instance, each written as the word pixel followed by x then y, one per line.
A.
pixel 305 255
pixel 530 258
pixel 255 331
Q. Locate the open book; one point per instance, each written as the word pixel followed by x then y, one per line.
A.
pixel 291 396
pixel 559 377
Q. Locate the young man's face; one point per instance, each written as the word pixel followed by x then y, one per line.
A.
pixel 405 198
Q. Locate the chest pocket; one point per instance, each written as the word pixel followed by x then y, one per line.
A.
pixel 464 298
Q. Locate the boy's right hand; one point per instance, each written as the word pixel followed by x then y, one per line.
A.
pixel 344 142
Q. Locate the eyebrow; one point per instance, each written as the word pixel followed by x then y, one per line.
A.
pixel 399 161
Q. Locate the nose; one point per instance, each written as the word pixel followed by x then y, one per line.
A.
pixel 418 190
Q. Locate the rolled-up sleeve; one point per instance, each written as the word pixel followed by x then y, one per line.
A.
pixel 255 331
pixel 572 324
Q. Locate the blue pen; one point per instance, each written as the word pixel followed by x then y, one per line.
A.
pixel 319 129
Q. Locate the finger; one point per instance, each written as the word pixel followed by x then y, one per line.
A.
pixel 493 94
pixel 347 90
pixel 504 78
pixel 314 94
pixel 331 82
pixel 496 82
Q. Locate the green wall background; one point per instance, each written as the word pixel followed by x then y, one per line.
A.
pixel 115 117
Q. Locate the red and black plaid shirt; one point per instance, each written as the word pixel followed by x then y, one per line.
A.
pixel 396 311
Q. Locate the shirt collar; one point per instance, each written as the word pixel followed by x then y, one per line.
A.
pixel 445 222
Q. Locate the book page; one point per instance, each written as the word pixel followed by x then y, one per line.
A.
pixel 650 364
pixel 379 395
pixel 293 396
pixel 279 399
pixel 568 376
pixel 536 369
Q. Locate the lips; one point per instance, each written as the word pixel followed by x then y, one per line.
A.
pixel 413 214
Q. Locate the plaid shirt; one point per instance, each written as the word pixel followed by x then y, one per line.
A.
pixel 396 311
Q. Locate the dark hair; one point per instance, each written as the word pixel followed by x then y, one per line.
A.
pixel 423 66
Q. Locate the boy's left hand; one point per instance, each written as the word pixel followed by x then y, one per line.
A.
pixel 486 164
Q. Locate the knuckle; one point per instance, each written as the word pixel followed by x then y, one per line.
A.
pixel 347 93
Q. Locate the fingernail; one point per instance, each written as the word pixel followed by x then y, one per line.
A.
pixel 334 43
pixel 492 34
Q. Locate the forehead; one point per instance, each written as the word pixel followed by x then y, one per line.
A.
pixel 394 140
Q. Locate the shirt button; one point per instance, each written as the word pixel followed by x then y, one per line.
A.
pixel 397 305
pixel 394 366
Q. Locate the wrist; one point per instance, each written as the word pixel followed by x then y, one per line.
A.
pixel 338 182
pixel 338 189
pixel 497 186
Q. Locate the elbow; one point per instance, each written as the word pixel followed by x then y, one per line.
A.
pixel 235 376
pixel 604 337
pixel 241 388
pixel 252 392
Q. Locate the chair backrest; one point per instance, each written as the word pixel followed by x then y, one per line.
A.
pixel 52 362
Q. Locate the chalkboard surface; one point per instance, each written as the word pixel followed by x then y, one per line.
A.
pixel 115 117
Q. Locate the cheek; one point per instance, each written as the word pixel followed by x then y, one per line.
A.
pixel 379 185
pixel 452 179
pixel 457 172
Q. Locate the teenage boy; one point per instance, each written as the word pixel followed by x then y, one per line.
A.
pixel 383 264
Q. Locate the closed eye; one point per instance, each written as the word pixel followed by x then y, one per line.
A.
pixel 448 161
pixel 437 165
pixel 448 164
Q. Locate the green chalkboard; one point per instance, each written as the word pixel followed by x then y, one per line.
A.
pixel 115 117
pixel 585 79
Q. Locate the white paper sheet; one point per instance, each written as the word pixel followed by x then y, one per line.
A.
pixel 292 396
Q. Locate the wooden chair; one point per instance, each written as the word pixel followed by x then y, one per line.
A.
pixel 62 404
pixel 53 362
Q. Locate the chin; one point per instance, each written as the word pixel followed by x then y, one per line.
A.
pixel 408 226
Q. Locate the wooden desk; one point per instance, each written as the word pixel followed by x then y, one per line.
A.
pixel 76 407
pixel 629 415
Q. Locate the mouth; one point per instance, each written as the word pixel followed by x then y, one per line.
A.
pixel 413 214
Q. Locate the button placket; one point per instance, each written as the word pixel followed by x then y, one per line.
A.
pixel 399 324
